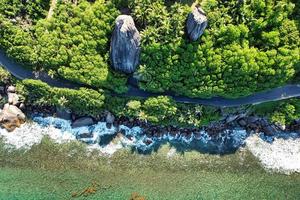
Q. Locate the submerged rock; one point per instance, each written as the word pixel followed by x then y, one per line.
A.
pixel 196 23
pixel 125 45
pixel 11 117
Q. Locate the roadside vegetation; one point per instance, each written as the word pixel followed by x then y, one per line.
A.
pixel 247 47
pixel 280 112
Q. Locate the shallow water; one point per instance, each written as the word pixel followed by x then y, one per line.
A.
pixel 280 152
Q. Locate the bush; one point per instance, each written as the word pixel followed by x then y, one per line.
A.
pixel 5 77
pixel 83 101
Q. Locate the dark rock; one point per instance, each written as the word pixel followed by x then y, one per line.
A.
pixel 294 126
pixel 269 130
pixel 110 118
pixel 196 23
pixel 242 122
pixel 2 89
pixel 252 119
pixel 125 45
pixel 83 121
pixel 230 118
pixel 63 113
pixel 11 117
pixel 84 135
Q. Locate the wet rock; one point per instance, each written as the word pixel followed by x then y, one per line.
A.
pixel 252 119
pixel 2 89
pixel 84 135
pixel 266 127
pixel 63 113
pixel 125 45
pixel 196 23
pixel 11 89
pixel 242 122
pixel 269 130
pixel 13 99
pixel 11 117
pixel 110 118
pixel 294 126
pixel 83 121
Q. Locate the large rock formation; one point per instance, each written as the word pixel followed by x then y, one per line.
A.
pixel 196 23
pixel 125 45
pixel 11 117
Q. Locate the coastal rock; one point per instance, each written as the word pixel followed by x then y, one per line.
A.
pixel 11 89
pixel 83 121
pixel 110 118
pixel 22 106
pixel 11 117
pixel 295 126
pixel 63 113
pixel 2 90
pixel 13 99
pixel 125 45
pixel 242 122
pixel 196 23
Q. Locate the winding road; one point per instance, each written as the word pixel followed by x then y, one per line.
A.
pixel 280 93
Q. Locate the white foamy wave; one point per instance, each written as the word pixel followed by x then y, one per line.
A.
pixel 282 155
pixel 32 133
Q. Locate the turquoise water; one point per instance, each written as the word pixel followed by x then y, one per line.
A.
pixel 226 142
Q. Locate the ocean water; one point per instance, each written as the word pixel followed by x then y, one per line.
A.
pixel 280 152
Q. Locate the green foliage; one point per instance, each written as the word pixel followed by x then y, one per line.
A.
pixel 133 108
pixel 228 60
pixel 83 101
pixel 5 77
pixel 283 112
pixel 32 10
pixel 159 109
pixel 36 92
pixel 73 44
pixel 163 111
pixel 248 46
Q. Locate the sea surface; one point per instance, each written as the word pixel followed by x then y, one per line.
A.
pixel 280 153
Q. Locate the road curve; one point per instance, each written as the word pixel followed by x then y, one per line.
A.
pixel 280 93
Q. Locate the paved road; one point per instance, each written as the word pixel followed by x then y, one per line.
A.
pixel 280 93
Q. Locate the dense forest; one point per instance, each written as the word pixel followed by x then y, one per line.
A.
pixel 248 46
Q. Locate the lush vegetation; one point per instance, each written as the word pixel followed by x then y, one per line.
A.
pixel 162 110
pixel 24 11
pixel 5 77
pixel 248 46
pixel 282 112
pixel 72 44
pixel 82 102
pixel 53 171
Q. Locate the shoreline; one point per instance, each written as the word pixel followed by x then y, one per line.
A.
pixel 277 156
